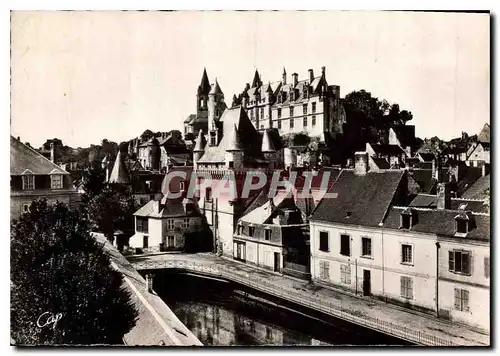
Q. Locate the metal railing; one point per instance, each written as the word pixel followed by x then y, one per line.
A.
pixel 331 307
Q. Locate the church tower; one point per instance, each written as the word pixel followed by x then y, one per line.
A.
pixel 215 108
pixel 202 95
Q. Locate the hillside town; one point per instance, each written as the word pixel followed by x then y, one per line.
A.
pixel 391 217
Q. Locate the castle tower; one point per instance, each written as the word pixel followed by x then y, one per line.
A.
pixel 202 94
pixel 199 148
pixel 234 150
pixel 215 99
pixel 155 155
pixel 269 101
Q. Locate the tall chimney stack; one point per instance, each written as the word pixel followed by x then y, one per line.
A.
pixel 323 71
pixel 295 79
pixel 53 152
pixel 443 196
pixel 311 76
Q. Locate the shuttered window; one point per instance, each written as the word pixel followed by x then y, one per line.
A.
pixel 324 270
pixel 345 274
pixel 459 262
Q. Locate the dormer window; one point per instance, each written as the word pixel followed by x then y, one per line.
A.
pixel 29 182
pixel 56 181
pixel 462 223
pixel 408 219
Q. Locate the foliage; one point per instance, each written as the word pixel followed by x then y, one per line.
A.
pixel 93 180
pixel 301 139
pixel 112 209
pixel 57 267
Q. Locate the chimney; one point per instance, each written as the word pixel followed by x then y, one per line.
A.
pixel 295 79
pixel 360 163
pixel 311 75
pixel 483 170
pixel 53 152
pixel 443 196
pixel 323 71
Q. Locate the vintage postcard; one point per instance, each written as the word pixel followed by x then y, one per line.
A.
pixel 250 178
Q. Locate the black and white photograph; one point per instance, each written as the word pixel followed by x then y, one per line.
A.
pixel 250 178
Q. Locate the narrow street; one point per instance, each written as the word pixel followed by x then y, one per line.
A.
pixel 418 326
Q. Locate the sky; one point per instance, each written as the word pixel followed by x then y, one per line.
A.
pixel 85 76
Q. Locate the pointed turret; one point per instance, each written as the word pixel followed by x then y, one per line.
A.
pixel 256 80
pixel 204 87
pixel 216 89
pixel 235 101
pixel 269 90
pixel 267 143
pixel 200 142
pixel 284 76
pixel 119 174
pixel 234 143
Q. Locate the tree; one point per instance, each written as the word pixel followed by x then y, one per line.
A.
pixel 112 209
pixel 58 269
pixel 93 181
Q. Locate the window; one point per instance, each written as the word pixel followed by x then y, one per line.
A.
pixel 268 234
pixel 314 120
pixel 345 274
pixel 262 127
pixel 145 242
pixel 407 287
pixel 406 254
pixel 29 182
pixel 208 193
pixel 142 224
pixel 212 141
pixel 462 226
pixel 171 241
pixel 313 107
pixel 345 245
pixel 279 125
pixel 231 164
pixel 323 241
pixel 185 223
pixel 170 224
pixel 251 230
pixel 262 113
pixel 366 247
pixel 405 221
pixel 26 208
pixel 459 262
pixel 56 181
pixel 305 122
pixel 324 270
pixel 291 111
pixel 291 123
pixel 487 267
pixel 279 113
pixel 461 299
pixel 304 109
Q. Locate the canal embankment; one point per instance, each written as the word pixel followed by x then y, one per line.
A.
pixel 157 324
pixel 366 312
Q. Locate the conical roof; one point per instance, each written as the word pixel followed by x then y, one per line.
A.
pixel 204 87
pixel 200 142
pixel 267 143
pixel 234 143
pixel 119 174
pixel 269 89
pixel 216 89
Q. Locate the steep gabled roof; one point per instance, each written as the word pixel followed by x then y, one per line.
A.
pixel 267 143
pixel 360 199
pixel 479 189
pixel 204 87
pixel 24 158
pixel 430 201
pixel 119 174
pixel 484 135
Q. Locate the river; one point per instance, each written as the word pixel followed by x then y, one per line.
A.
pixel 226 314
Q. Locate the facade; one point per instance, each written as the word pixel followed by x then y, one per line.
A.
pixel 169 149
pixel 479 154
pixel 33 177
pixel 275 235
pixel 309 106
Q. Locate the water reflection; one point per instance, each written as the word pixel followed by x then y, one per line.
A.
pixel 224 314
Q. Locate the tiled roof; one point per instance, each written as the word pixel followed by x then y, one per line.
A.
pixel 441 223
pixel 405 134
pixel 384 149
pixel 473 174
pixel 361 199
pixel 168 208
pixel 430 201
pixel 260 214
pixel 427 156
pixel 381 163
pixel 484 135
pixel 190 119
pixel 25 159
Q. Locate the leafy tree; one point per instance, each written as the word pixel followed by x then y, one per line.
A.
pixel 112 209
pixel 58 269
pixel 301 139
pixel 93 180
pixel 146 135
